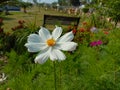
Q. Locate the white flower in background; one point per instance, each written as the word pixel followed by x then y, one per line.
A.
pixel 2 77
pixel 82 6
pixel 94 30
pixel 50 45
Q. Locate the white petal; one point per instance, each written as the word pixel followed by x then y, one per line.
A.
pixel 57 33
pixel 67 37
pixel 57 55
pixel 34 38
pixel 3 77
pixel 44 34
pixel 42 57
pixel 66 46
pixel 35 47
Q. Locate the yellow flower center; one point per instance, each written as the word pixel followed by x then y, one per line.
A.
pixel 50 42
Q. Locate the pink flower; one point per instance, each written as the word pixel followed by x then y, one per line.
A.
pixel 93 43
pixel 96 43
pixel 99 42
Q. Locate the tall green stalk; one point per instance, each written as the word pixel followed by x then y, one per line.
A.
pixel 55 80
pixel 60 75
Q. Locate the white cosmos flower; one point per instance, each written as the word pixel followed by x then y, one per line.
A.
pixel 3 77
pixel 50 45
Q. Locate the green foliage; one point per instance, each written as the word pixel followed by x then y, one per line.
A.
pixel 25 4
pixel 85 10
pixel 17 38
pixel 1 1
pixel 88 68
pixel 75 2
pixel 114 10
pixel 63 2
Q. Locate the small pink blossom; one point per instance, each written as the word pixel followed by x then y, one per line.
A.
pixel 93 43
pixel 96 43
pixel 99 42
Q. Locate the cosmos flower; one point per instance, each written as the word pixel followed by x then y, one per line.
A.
pixel 96 43
pixel 99 42
pixel 94 30
pixel 50 45
pixel 93 43
pixel 2 77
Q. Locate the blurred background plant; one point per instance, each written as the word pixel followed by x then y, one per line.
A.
pixel 113 8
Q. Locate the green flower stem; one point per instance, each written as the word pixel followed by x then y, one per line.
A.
pixel 114 72
pixel 60 75
pixel 55 85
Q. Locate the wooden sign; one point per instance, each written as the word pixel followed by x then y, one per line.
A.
pixel 60 20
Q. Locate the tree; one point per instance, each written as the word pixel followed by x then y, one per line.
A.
pixel 75 2
pixel 1 1
pixel 24 5
pixel 63 2
pixel 35 1
pixel 20 3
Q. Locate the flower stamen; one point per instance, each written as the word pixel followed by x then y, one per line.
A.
pixel 50 42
